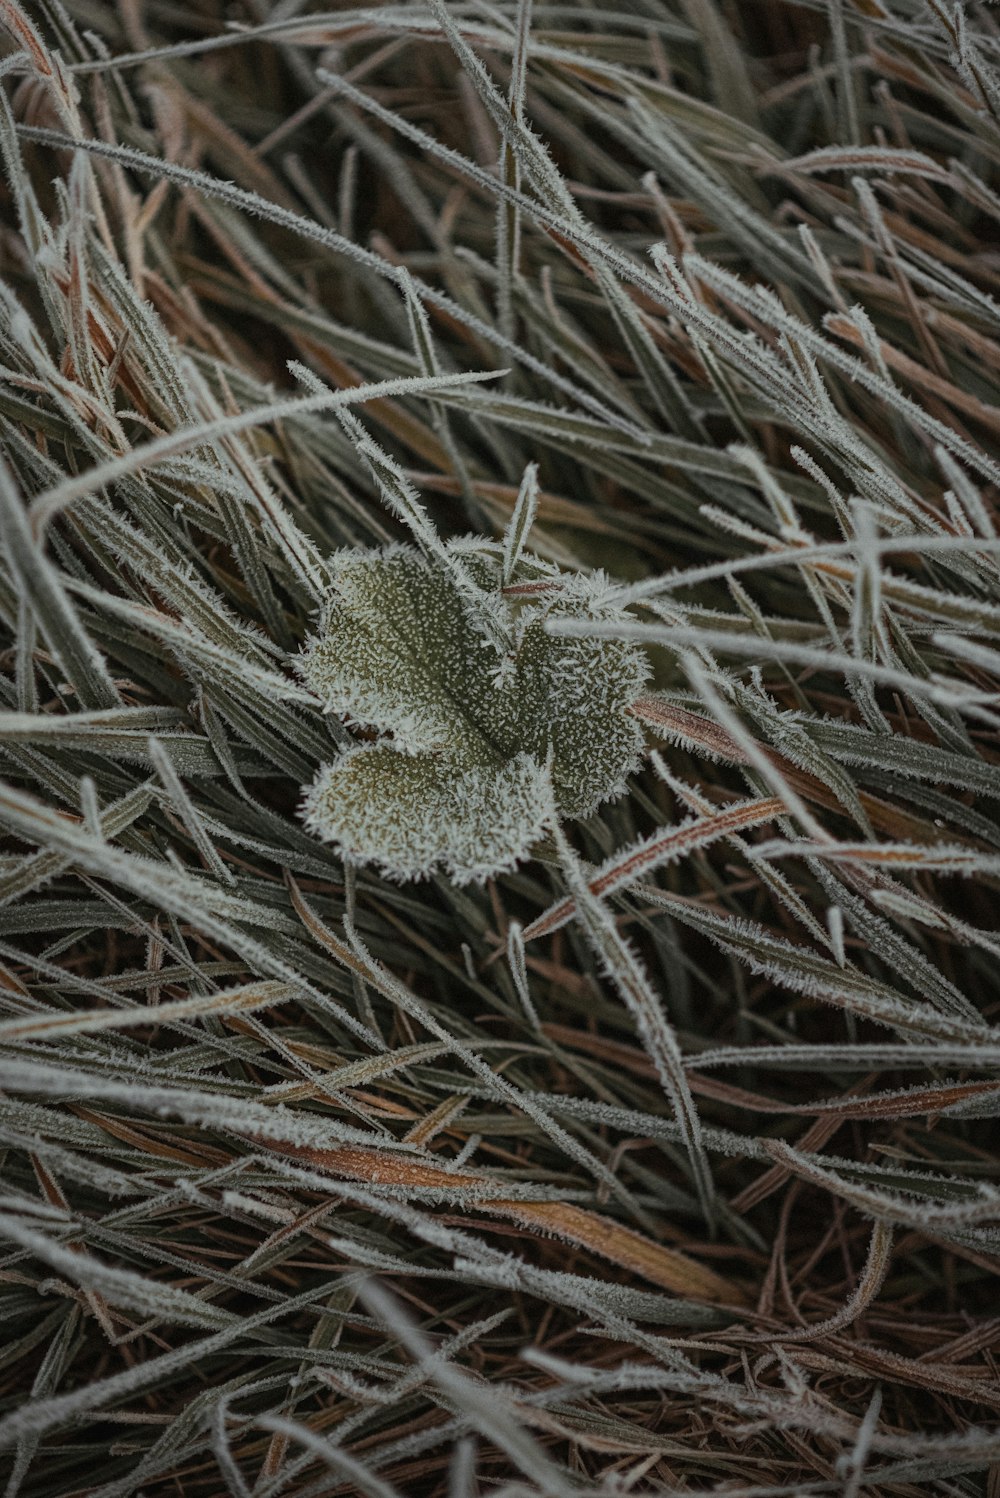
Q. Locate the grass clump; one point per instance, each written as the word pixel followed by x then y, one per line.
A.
pixel 566 440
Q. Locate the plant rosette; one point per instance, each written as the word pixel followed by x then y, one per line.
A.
pixel 485 728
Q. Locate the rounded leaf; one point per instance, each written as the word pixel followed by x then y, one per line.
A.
pixel 415 814
pixel 489 721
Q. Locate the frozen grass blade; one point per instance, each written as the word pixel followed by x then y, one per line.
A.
pixel 521 521
pixel 625 972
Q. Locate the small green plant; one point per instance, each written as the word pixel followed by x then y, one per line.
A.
pixel 488 727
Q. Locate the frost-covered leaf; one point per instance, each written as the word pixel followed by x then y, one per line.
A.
pixel 475 732
pixel 411 813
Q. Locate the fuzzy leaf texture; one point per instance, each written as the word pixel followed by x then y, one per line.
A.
pixel 478 746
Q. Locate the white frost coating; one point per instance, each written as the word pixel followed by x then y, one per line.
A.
pixel 411 813
pixel 474 743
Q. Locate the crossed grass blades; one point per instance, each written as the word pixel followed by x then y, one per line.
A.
pixel 664 1161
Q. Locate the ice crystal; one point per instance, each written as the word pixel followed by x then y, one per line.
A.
pixel 478 744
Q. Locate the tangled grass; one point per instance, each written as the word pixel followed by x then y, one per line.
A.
pixel 666 1161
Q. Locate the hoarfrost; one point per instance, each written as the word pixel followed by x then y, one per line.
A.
pixel 477 749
